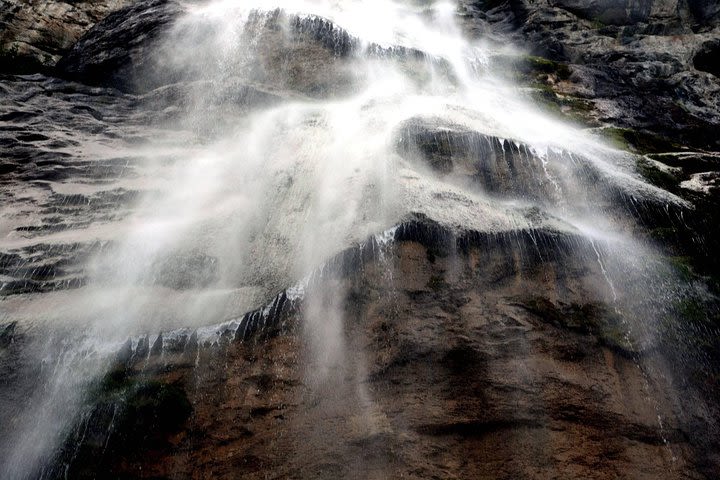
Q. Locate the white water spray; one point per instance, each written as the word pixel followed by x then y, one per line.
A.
pixel 255 196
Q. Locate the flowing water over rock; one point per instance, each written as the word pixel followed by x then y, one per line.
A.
pixel 238 171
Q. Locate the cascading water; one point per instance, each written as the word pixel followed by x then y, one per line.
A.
pixel 298 129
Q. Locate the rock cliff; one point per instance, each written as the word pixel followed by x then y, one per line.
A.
pixel 462 357
pixel 34 35
pixel 432 350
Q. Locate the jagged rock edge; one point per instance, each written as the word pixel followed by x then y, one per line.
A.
pixel 273 318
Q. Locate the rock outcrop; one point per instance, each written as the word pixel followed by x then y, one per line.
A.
pixel 302 55
pixel 35 34
pixel 120 51
pixel 637 63
pixel 461 357
pixel 641 74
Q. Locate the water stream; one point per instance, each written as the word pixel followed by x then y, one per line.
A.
pixel 301 128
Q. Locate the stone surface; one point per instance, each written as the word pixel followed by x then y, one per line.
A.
pixel 34 34
pixel 454 364
pixel 645 80
pixel 119 52
pixel 283 53
pixel 70 163
pixel 639 70
pixel 510 169
pixel 458 355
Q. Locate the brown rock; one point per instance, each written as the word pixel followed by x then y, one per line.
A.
pixel 430 366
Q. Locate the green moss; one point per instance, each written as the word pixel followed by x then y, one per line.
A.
pixel 438 152
pixel 645 143
pixel 156 407
pixel 691 310
pixel 656 176
pixel 146 405
pixel 613 333
pixel 591 318
pixel 544 93
pixel 578 104
pixel 683 267
pixel 541 75
pixel 437 283
pixel 689 331
pixel 113 386
pixel 664 235
pixel 638 140
pixel 528 69
pixel 128 417
pixel 576 109
pixel 534 65
pixel 616 138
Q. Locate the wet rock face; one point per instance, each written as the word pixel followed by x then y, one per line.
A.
pixel 511 170
pixel 306 55
pixel 499 167
pixel 484 360
pixel 50 186
pixel 34 34
pixel 458 353
pixel 293 53
pixel 279 52
pixel 672 14
pixel 666 14
pixel 129 419
pixel 645 83
pixel 119 51
pixel 705 12
pixel 611 12
pixel 636 67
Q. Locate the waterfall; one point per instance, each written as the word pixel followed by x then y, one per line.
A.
pixel 261 140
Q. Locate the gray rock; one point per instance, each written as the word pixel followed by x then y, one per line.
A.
pixel 118 51
pixel 35 34
pixel 143 47
pixel 136 49
pixel 647 65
